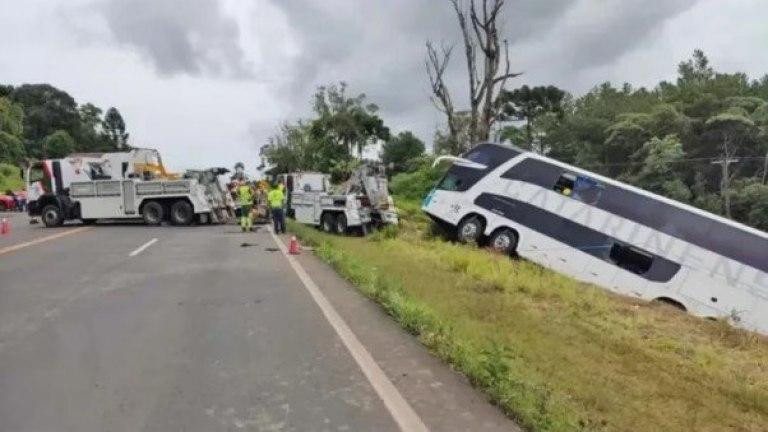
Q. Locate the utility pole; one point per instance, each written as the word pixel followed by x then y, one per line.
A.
pixel 725 182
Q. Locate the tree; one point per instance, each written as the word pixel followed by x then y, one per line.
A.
pixel 527 104
pixel 46 110
pixel 11 148
pixel 348 121
pixel 114 128
pixel 400 149
pixel 488 68
pixel 58 145
pixel 730 130
pixel 659 159
pixel 11 118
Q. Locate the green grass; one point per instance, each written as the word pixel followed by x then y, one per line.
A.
pixel 554 353
pixel 10 178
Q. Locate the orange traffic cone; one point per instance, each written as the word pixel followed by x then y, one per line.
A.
pixel 293 247
pixel 5 226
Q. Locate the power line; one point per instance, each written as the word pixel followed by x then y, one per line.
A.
pixel 685 160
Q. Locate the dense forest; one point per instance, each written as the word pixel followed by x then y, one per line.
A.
pixel 41 121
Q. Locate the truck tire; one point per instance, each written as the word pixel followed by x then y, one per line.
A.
pixel 341 224
pixel 470 230
pixel 504 241
pixel 182 213
pixel 52 216
pixel 328 222
pixel 152 213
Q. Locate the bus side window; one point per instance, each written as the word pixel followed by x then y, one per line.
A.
pixel 631 258
pixel 450 183
pixel 565 184
pixel 584 189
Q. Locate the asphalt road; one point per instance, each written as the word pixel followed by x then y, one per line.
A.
pixel 135 328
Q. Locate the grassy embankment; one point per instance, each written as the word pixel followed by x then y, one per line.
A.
pixel 10 178
pixel 554 353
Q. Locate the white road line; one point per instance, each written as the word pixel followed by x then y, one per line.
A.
pixel 403 414
pixel 18 246
pixel 141 248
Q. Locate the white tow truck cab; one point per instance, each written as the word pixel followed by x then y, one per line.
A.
pixel 122 185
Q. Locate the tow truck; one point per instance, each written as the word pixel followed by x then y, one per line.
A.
pixel 131 184
pixel 360 203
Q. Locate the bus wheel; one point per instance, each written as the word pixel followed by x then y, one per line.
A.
pixel 470 230
pixel 504 241
pixel 341 224
pixel 52 216
pixel 328 222
pixel 152 213
pixel 182 213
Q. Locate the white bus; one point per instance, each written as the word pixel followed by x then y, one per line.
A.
pixel 605 232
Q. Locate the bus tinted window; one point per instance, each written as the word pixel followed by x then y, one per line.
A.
pixel 631 259
pixel 460 178
pixel 491 155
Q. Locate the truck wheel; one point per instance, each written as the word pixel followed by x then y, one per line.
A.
pixel 470 230
pixel 328 222
pixel 504 241
pixel 182 213
pixel 52 216
pixel 341 224
pixel 152 213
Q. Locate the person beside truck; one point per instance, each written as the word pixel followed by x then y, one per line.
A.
pixel 276 199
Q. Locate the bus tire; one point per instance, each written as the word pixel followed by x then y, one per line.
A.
pixel 52 216
pixel 328 222
pixel 182 213
pixel 504 241
pixel 470 230
pixel 341 224
pixel 152 212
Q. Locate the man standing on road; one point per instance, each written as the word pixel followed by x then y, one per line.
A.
pixel 245 198
pixel 276 198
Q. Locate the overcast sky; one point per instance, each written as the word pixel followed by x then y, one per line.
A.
pixel 208 81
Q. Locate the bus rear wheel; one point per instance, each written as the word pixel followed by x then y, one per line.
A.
pixel 470 230
pixel 504 241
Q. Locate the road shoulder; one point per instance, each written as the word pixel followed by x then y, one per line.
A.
pixel 444 399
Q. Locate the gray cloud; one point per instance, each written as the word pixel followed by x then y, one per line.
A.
pixel 192 37
pixel 378 46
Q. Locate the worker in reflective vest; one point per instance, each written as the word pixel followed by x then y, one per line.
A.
pixel 245 199
pixel 276 198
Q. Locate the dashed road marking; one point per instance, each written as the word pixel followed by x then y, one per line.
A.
pixel 13 248
pixel 402 412
pixel 141 248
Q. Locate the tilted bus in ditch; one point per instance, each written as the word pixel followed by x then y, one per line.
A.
pixel 605 232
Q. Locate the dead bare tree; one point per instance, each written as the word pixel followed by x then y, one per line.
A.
pixel 485 54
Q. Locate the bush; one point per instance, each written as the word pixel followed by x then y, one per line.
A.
pixel 417 183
